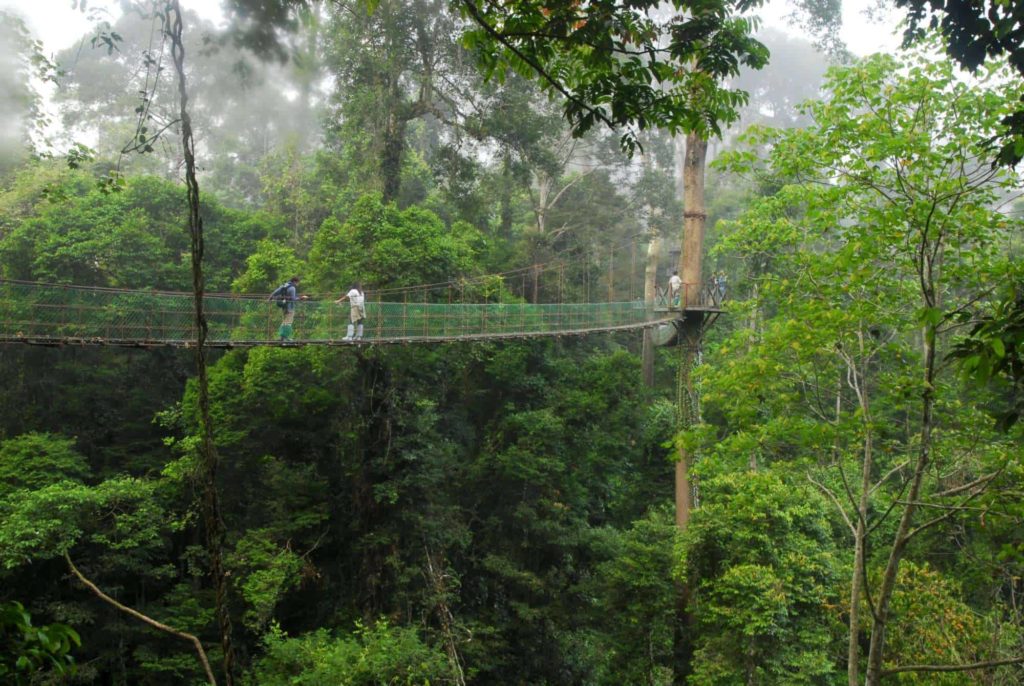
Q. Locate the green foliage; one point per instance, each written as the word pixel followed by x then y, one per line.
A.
pixel 761 553
pixel 975 32
pixel 268 266
pixel 371 655
pixel 611 62
pixel 993 355
pixel 29 653
pixel 383 247
pixel 263 572
pixel 933 626
pixel 132 239
pixel 636 585
pixel 876 239
pixel 38 524
pixel 32 461
pixel 504 505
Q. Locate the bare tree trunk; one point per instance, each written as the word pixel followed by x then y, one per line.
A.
pixel 391 156
pixel 650 290
pixel 543 192
pixel 505 200
pixel 690 260
pixel 690 331
pixel 902 536
pixel 858 380
pixel 687 414
pixel 694 216
pixel 853 645
pixel 679 149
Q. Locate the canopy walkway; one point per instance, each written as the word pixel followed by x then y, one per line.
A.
pixel 55 314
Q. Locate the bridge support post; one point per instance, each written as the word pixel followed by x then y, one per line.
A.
pixel 650 291
pixel 690 266
pixel 688 411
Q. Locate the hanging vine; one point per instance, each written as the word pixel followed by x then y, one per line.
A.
pixel 212 521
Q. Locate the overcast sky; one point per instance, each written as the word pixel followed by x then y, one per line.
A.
pixel 59 25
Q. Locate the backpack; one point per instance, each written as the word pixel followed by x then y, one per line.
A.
pixel 281 295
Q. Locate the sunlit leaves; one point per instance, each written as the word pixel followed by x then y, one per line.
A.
pixel 376 654
pixel 760 552
pixel 382 246
pixel 877 239
pixel 977 32
pixel 43 523
pixel 262 572
pixel 36 460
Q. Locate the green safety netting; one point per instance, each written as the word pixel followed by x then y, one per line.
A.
pixel 31 311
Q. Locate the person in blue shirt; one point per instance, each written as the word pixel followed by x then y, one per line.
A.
pixel 286 295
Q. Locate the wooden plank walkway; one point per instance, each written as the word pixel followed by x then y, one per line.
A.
pixel 58 341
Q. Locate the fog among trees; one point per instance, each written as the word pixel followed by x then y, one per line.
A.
pixel 817 481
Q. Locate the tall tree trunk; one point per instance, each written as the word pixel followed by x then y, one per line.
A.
pixel 856 589
pixel 212 521
pixel 929 254
pixel 505 212
pixel 860 529
pixel 690 262
pixel 694 217
pixel 902 535
pixel 687 412
pixel 650 291
pixel 391 156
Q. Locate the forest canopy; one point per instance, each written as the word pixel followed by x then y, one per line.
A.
pixel 506 511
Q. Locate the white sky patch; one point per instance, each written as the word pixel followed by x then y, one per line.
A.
pixel 59 25
pixel 863 36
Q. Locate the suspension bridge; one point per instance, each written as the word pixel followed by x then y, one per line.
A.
pixel 65 314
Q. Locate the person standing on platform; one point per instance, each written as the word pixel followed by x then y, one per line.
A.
pixel 719 288
pixel 286 295
pixel 357 311
pixel 675 290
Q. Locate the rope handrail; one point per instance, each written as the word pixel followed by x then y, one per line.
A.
pixel 41 311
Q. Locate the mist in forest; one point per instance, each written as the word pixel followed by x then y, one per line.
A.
pixel 793 75
pixel 477 442
pixel 17 99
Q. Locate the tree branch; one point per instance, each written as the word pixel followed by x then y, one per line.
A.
pixel 143 618
pixel 474 12
pixel 967 486
pixel 835 500
pixel 885 478
pixel 953 668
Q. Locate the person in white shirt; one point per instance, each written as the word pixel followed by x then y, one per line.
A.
pixel 357 311
pixel 675 289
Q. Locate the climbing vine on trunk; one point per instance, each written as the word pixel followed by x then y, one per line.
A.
pixel 212 521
